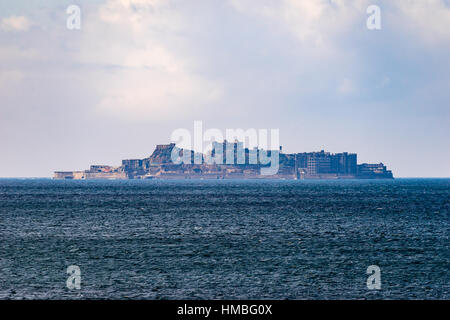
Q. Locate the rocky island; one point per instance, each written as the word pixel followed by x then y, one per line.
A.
pixel 232 161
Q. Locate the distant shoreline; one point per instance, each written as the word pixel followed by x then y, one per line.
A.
pixel 200 179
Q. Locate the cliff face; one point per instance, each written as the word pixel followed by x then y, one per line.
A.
pixel 162 154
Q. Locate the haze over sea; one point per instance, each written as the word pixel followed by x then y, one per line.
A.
pixel 226 239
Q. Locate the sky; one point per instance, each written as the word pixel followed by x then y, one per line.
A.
pixel 137 70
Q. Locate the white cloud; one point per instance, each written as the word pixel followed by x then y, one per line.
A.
pixel 315 23
pixel 9 79
pixel 321 24
pixel 346 87
pixel 144 76
pixel 15 23
pixel 153 95
pixel 12 53
pixel 428 19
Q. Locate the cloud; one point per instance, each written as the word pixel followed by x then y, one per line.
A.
pixel 15 23
pixel 139 68
pixel 385 82
pixel 16 54
pixel 153 95
pixel 144 75
pixel 427 19
pixel 346 87
pixel 9 80
pixel 316 23
pixel 323 24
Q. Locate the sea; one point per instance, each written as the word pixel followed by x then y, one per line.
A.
pixel 224 239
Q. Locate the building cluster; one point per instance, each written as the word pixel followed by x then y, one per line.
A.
pixel 231 160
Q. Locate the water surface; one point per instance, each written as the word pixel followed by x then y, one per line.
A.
pixel 224 239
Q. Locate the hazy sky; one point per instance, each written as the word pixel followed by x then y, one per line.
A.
pixel 139 69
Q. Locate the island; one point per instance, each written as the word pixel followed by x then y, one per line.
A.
pixel 230 160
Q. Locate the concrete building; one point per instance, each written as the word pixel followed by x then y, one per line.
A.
pixel 374 171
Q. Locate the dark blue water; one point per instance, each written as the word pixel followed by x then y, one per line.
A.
pixel 225 239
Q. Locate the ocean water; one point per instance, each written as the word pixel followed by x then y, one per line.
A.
pixel 224 239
